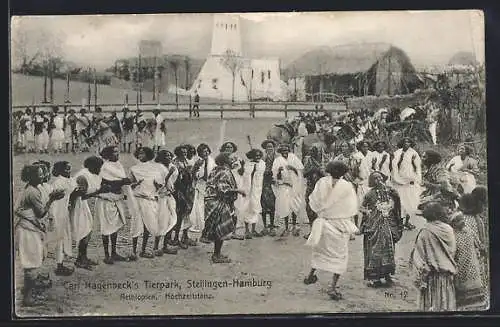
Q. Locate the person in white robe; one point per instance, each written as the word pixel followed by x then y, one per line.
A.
pixel 82 220
pixel 463 169
pixel 253 178
pixel 167 216
pixel 109 206
pixel 289 188
pixel 299 140
pixel 147 180
pixel 27 131
pixel 238 169
pixel 42 138
pixel 201 170
pixel 57 136
pixel 380 160
pixel 60 213
pixel 407 178
pixel 360 172
pixel 432 120
pixel 335 202
pixel 159 133
pixel 30 212
pixel 68 130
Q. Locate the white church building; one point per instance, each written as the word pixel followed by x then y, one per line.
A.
pixel 254 78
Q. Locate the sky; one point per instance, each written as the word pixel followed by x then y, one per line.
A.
pixel 428 37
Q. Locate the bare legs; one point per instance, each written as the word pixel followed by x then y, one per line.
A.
pixel 332 291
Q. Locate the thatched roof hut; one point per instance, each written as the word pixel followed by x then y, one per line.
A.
pixel 463 58
pixel 356 69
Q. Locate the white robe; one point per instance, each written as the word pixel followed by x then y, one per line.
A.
pixel 146 198
pixel 57 134
pixel 60 213
pixel 81 217
pixel 109 206
pixel 383 167
pixel 332 229
pixel 466 179
pixel 289 190
pixel 407 181
pixel 167 215
pixel 361 181
pixel 159 136
pixel 253 190
pixel 197 215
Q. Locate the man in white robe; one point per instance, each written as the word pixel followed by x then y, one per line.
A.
pixel 289 188
pixel 82 221
pixel 159 133
pixel 335 202
pixel 146 179
pixel 57 136
pixel 463 169
pixel 167 215
pixel 201 170
pixel 253 178
pixel 109 207
pixel 407 178
pixel 360 172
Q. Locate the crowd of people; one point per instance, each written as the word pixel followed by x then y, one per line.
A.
pixel 39 131
pixel 343 190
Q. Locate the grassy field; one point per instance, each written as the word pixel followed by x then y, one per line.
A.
pixel 282 262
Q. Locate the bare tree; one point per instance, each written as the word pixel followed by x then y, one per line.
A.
pixel 231 61
pixel 24 54
pixel 187 65
pixel 174 64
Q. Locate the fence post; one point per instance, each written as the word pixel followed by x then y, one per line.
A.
pixel 190 107
pixel 286 111
pixel 221 111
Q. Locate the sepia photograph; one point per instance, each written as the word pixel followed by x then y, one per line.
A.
pixel 249 163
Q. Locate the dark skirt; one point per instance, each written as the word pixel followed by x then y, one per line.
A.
pixel 267 199
pixel 219 221
pixel 439 295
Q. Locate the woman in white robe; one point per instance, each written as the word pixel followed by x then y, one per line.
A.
pixel 167 215
pixel 407 178
pixel 335 202
pixel 201 170
pixel 60 213
pixel 82 221
pixel 287 172
pixel 463 169
pixel 109 205
pixel 147 180
pixel 253 178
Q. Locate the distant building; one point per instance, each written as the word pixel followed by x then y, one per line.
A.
pixel 254 78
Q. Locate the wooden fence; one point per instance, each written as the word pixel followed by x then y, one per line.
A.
pixel 252 108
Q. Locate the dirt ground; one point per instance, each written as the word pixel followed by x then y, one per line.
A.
pixel 279 264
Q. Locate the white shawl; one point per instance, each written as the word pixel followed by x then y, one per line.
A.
pixel 336 204
pixel 407 173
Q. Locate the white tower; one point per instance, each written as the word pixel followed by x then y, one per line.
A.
pixel 226 34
